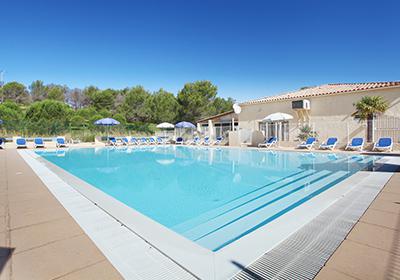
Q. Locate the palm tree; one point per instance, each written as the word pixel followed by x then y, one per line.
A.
pixel 367 109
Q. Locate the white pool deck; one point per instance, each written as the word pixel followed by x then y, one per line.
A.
pixel 140 248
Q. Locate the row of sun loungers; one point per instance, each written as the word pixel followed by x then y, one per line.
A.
pixel 356 144
pixel 38 142
pixel 128 141
pixel 198 141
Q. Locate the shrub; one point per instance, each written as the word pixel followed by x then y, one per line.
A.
pixel 306 132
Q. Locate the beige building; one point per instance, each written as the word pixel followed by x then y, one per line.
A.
pixel 327 110
pixel 218 125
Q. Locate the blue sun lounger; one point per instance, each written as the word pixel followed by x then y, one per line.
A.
pixel 38 142
pixel 60 142
pixel 308 144
pixel 355 144
pixel 20 142
pixel 383 144
pixel 179 141
pixel 194 141
pixel 206 141
pixel 330 144
pixel 143 141
pixel 125 141
pixel 268 143
pixel 160 141
pixel 112 141
pixel 218 141
pixel 133 141
pixel 152 141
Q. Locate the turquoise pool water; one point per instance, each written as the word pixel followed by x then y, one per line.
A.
pixel 212 196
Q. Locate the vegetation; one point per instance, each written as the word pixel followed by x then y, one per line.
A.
pixel 53 109
pixel 370 106
pixel 306 131
pixel 366 110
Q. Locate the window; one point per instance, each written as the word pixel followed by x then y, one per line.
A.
pixel 279 129
pixel 222 129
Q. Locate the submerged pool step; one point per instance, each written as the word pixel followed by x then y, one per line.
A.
pixel 250 205
pixel 252 218
pixel 209 215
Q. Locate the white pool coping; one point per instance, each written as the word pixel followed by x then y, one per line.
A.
pixel 174 252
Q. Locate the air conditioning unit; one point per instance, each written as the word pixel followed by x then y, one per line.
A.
pixel 301 104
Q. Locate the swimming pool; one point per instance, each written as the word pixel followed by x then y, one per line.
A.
pixel 212 196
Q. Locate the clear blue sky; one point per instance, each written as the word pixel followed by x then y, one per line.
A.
pixel 247 48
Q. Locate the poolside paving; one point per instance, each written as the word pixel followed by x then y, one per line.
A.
pixel 38 238
pixel 372 248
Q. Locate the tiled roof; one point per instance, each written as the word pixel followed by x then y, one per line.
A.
pixel 325 90
pixel 215 116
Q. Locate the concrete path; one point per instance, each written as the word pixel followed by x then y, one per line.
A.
pixel 38 238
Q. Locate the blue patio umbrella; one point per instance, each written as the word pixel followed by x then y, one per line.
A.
pixel 107 122
pixel 182 125
pixel 185 125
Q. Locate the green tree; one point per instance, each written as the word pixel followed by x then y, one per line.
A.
pixel 12 116
pixel 163 107
pixel 78 121
pixel 86 113
pixel 90 115
pixel 135 105
pixel 77 98
pixel 367 109
pixel 56 92
pixel 89 91
pixel 220 105
pixel 119 117
pixel 14 91
pixel 370 106
pixel 38 90
pixel 104 113
pixel 94 118
pixel 48 117
pixel 102 99
pixel 194 100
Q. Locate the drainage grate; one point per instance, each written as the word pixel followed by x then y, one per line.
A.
pixel 303 254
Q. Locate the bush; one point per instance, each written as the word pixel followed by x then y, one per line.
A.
pixel 12 116
pixel 306 132
pixel 48 117
pixel 88 138
pixel 141 127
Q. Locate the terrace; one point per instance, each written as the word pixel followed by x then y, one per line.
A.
pixel 37 229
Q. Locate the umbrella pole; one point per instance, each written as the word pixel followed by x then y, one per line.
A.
pixel 108 132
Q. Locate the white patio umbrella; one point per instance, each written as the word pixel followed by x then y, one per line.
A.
pixel 164 126
pixel 276 117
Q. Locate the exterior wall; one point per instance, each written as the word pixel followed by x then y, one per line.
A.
pixel 330 115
